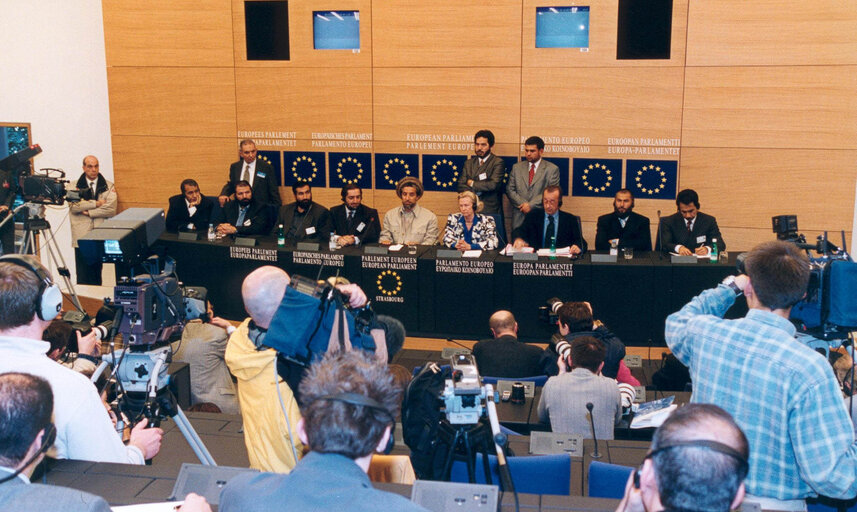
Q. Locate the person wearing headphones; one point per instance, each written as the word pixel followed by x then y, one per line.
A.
pixel 29 300
pixel 469 229
pixel 354 222
pixel 550 226
pixel 349 406
pixel 697 462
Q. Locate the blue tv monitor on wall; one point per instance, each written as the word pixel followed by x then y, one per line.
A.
pixel 336 30
pixel 562 27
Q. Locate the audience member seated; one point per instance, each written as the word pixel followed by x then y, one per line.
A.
pixel 575 320
pixel 354 222
pixel 203 348
pixel 350 404
pixel 192 211
pixel 470 229
pixel 59 334
pixel 550 226
pixel 410 223
pixel 505 356
pixel 697 463
pixel 269 435
pixel 28 302
pixel 304 220
pixel 565 396
pixel 244 216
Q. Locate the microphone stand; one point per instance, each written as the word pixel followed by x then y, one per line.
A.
pixel 660 237
pixel 595 454
pixel 499 442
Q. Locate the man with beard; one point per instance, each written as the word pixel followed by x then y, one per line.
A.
pixel 629 229
pixel 353 221
pixel 244 216
pixel 483 174
pixel 409 224
pixel 304 220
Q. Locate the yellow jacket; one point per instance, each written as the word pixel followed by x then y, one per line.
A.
pixel 266 435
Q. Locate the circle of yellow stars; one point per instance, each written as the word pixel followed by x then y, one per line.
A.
pixel 441 163
pixel 392 291
pixel 393 161
pixel 297 161
pixel 604 186
pixel 346 160
pixel 651 190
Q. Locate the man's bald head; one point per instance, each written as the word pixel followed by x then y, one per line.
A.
pixel 503 322
pixel 262 291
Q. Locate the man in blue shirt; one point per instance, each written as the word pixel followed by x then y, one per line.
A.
pixel 780 392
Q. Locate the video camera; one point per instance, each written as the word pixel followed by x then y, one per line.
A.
pixel 48 186
pixel 464 395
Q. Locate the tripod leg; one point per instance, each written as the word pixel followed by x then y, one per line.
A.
pixel 450 457
pixel 192 438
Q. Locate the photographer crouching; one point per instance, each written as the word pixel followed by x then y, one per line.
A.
pixel 29 300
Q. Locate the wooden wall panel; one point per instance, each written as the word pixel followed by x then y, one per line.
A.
pixel 771 107
pixel 168 33
pixel 475 34
pixel 603 22
pixel 304 100
pixel 744 188
pixel 150 169
pixel 602 103
pixel 456 101
pixel 772 32
pixel 191 102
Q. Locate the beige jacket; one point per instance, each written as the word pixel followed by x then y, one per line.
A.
pixel 82 224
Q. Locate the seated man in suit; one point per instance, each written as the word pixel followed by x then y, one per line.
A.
pixel 349 404
pixel 565 397
pixel 304 220
pixel 354 222
pixel 244 216
pixel 628 228
pixel 543 224
pixel 689 231
pixel 258 173
pixel 505 356
pixel 192 211
pixel 26 433
pixel 410 223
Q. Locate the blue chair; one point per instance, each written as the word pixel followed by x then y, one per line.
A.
pixel 538 474
pixel 539 380
pixel 608 480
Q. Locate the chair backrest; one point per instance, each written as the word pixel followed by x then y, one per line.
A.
pixel 538 380
pixel 608 480
pixel 538 474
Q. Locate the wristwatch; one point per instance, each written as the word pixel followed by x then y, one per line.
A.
pixel 730 282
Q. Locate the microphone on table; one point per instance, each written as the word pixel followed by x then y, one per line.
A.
pixel 660 237
pixel 595 454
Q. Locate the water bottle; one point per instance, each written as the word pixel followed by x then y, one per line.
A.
pixel 614 247
pixel 333 239
pixel 553 246
pixel 211 233
pixel 281 236
pixel 713 254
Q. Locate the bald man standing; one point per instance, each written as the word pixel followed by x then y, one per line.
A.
pixel 504 355
pixel 97 202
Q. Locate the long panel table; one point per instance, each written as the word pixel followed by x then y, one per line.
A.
pixel 438 296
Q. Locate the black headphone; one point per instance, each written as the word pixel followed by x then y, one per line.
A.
pixel 47 441
pixel 698 443
pixel 256 334
pixel 365 401
pixel 48 302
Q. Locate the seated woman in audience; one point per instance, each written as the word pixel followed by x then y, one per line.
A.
pixel 469 229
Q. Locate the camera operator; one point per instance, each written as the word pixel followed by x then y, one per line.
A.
pixel 28 302
pixel 98 202
pixel 59 334
pixel 350 404
pixel 781 393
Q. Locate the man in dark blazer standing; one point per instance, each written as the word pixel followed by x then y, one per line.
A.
pixel 244 216
pixel 354 222
pixel 304 220
pixel 629 228
pixel 483 174
pixel 528 180
pixel 542 224
pixel 689 231
pixel 259 173
pixel 192 211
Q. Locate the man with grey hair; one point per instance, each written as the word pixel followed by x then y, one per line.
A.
pixel 697 462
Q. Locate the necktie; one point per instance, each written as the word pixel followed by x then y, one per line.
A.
pixel 94 194
pixel 550 232
pixel 350 222
pixel 532 173
pixel 688 225
pixel 245 176
pixel 241 213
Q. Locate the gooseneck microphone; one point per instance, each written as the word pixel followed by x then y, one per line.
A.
pixel 595 454
pixel 660 237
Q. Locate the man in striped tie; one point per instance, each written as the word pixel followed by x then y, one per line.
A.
pixel 528 180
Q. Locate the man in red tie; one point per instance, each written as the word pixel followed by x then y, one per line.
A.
pixel 689 231
pixel 528 180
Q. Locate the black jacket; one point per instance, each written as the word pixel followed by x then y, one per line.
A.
pixel 533 230
pixel 265 188
pixel 255 220
pixel 635 234
pixel 674 231
pixel 370 230
pixel 208 211
pixel 317 221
